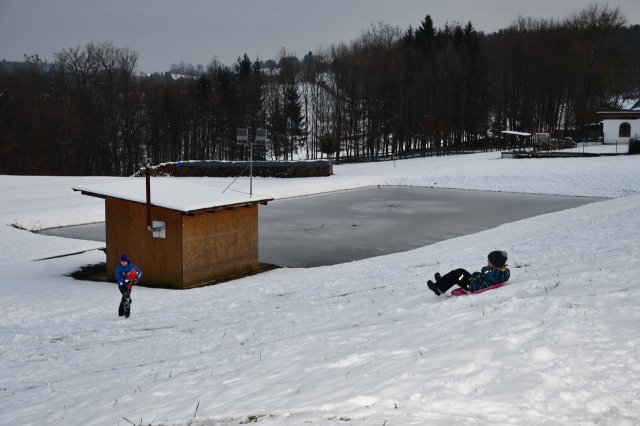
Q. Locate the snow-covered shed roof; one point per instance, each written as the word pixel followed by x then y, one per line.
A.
pixel 172 194
pixel 630 110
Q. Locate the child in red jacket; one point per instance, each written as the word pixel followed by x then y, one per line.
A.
pixel 495 272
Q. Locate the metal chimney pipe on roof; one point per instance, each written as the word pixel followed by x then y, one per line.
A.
pixel 147 174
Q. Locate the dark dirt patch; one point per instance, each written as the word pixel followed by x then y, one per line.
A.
pixel 98 273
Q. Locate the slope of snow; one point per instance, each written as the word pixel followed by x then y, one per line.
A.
pixel 358 343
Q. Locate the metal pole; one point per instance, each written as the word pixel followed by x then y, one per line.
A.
pixel 148 185
pixel 250 170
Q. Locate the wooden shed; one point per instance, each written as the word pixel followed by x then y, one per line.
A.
pixel 198 234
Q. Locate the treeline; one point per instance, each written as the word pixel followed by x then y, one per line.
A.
pixel 391 92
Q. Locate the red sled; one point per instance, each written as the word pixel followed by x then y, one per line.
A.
pixel 131 276
pixel 460 292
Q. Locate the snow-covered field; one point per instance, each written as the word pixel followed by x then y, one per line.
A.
pixel 358 343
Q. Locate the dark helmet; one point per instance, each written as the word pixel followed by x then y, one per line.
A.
pixel 498 258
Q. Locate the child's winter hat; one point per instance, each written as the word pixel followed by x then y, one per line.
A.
pixel 498 258
pixel 124 258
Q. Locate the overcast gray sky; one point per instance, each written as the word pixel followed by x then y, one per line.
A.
pixel 163 32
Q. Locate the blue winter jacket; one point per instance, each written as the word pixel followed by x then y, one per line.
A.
pixel 122 271
pixel 487 277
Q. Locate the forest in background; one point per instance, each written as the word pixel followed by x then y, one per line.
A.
pixel 390 93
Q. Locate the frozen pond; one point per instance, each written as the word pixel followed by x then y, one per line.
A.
pixel 344 226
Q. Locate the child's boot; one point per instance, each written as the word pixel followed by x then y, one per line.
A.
pixel 434 287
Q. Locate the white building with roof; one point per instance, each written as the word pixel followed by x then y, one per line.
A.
pixel 619 127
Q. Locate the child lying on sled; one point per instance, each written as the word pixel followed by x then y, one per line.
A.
pixel 495 272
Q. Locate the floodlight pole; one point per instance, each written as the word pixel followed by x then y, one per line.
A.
pixel 242 136
pixel 250 170
pixel 260 137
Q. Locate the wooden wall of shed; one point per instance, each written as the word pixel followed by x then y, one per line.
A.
pixel 219 244
pixel 159 258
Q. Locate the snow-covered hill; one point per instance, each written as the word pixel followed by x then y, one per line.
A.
pixel 358 343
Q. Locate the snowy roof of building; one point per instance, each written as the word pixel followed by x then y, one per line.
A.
pixel 617 115
pixel 172 194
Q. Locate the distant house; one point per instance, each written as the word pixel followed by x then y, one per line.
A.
pixel 621 126
pixel 197 235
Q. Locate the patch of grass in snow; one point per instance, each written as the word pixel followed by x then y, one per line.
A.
pixel 96 272
pixel 254 418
